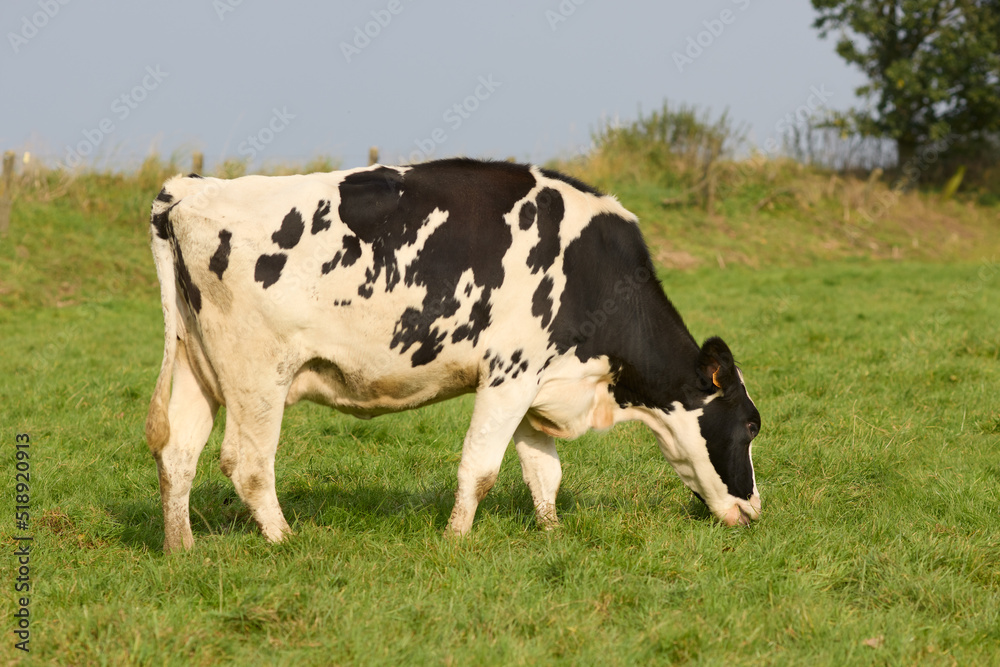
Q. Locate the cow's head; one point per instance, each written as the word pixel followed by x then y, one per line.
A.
pixel 707 435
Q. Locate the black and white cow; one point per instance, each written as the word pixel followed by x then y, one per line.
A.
pixel 382 289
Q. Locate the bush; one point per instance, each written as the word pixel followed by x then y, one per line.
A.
pixel 671 147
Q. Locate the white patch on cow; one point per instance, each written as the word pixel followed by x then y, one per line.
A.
pixel 408 253
pixel 679 435
pixel 581 207
pixel 465 301
pixel 691 454
pixel 573 397
pixel 743 382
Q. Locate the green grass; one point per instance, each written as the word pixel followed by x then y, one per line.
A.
pixel 878 465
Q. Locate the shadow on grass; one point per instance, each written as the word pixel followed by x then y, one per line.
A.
pixel 217 510
pixel 141 523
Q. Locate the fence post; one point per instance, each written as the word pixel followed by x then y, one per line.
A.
pixel 197 162
pixel 372 155
pixel 8 185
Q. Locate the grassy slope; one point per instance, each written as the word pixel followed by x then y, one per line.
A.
pixel 777 212
pixel 877 464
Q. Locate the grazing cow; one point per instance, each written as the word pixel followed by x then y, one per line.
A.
pixel 382 289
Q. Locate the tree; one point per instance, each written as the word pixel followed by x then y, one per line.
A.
pixel 933 69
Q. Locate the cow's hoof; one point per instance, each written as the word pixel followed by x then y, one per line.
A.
pixel 549 525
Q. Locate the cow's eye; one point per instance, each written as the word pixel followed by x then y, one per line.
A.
pixel 754 429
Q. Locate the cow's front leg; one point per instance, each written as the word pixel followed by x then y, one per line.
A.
pixel 541 471
pixel 497 413
pixel 253 426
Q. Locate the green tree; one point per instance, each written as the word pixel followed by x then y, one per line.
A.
pixel 933 69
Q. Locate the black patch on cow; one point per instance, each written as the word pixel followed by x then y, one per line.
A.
pixel 613 305
pixel 367 199
pixel 477 196
pixel 500 369
pixel 578 184
pixel 514 358
pixel 526 218
pixel 220 260
pixel 268 268
pixel 550 214
pixel 291 230
pixel 320 222
pixel 352 250
pixel 161 223
pixel 479 319
pixel 164 196
pixel 190 291
pixel 193 175
pixel 545 365
pixel 541 301
pixel 724 426
pixel 417 327
pixel 346 256
pixel 387 209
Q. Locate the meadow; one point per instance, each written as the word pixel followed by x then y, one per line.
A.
pixel 871 348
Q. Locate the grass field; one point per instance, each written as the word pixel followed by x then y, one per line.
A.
pixel 878 465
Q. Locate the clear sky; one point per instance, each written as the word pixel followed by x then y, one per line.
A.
pixel 106 81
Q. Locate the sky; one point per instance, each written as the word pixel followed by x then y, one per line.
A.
pixel 104 83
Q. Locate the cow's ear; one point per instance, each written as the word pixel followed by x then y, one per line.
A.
pixel 716 368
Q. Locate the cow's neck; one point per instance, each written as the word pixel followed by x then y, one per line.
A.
pixel 614 306
pixel 655 356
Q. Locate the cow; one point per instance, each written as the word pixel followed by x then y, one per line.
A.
pixel 382 289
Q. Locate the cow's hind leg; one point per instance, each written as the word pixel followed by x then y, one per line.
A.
pixel 191 413
pixel 497 413
pixel 253 425
pixel 541 471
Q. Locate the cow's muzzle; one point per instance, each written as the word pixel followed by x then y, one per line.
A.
pixel 743 512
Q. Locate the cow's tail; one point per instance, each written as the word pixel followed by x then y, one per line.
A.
pixel 161 242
